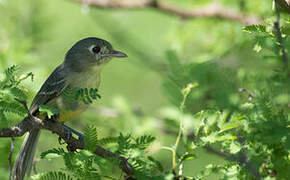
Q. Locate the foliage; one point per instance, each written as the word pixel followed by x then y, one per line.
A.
pixel 85 164
pixel 53 176
pixel 48 110
pixel 225 92
pixel 87 95
pixel 10 92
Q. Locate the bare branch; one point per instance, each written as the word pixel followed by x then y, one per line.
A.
pixel 285 4
pixel 10 157
pixel 56 127
pixel 208 11
pixel 279 37
pixel 16 131
pixel 250 94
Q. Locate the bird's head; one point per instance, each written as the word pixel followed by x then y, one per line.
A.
pixel 91 52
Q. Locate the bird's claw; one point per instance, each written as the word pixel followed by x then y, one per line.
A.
pixel 69 133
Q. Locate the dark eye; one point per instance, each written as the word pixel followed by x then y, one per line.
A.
pixel 96 49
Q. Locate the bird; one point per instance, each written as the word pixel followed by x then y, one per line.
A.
pixel 81 68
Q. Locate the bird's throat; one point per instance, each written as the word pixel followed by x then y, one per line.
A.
pixel 86 79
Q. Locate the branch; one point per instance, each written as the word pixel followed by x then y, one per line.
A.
pixel 285 4
pixel 208 11
pixel 10 157
pixel 16 131
pixel 241 158
pixel 56 127
pixel 250 94
pixel 279 37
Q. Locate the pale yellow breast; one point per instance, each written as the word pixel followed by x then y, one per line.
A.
pixel 70 108
pixel 88 79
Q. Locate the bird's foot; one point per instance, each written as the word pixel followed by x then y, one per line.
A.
pixel 69 134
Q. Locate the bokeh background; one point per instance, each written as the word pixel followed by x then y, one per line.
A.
pixel 36 34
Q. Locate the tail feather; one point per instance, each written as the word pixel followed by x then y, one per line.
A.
pixel 24 160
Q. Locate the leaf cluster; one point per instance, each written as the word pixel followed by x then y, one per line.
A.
pixel 10 93
pixel 85 164
pixel 82 94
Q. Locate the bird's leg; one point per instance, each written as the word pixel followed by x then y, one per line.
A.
pixel 80 135
pixel 69 133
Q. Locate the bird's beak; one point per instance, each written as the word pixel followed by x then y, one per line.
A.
pixel 117 54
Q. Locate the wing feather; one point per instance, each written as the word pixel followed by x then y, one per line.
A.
pixel 52 87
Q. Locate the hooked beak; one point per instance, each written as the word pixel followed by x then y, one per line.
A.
pixel 116 54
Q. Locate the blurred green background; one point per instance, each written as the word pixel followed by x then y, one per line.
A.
pixel 37 33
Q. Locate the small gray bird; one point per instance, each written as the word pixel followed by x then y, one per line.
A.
pixel 80 69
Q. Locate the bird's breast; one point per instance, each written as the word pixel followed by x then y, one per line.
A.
pixel 86 79
pixel 69 106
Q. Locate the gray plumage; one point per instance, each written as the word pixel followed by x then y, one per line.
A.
pixel 80 69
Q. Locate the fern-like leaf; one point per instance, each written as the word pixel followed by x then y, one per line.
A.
pixel 91 137
pixel 18 93
pixel 10 79
pixel 53 175
pixel 156 163
pixel 50 111
pixel 255 28
pixel 143 142
pixel 3 119
pixel 108 140
pixel 13 107
pixel 52 153
pixel 87 95
pixel 124 142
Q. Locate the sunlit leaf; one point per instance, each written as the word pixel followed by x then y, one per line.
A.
pixel 50 111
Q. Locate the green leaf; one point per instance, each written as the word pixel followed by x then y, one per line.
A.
pixel 53 175
pixel 50 111
pixel 229 126
pixel 210 138
pixel 108 140
pixel 157 163
pixel 227 137
pixel 187 156
pixel 235 147
pixel 255 28
pixel 124 142
pixel 18 93
pixel 52 153
pixel 87 95
pixel 257 47
pixel 144 141
pixel 91 137
pixel 13 107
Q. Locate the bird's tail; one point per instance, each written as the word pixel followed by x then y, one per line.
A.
pixel 24 161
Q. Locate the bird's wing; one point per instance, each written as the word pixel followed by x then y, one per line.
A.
pixel 52 87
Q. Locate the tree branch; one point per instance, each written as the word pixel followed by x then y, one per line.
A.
pixel 210 10
pixel 56 127
pixel 10 157
pixel 285 4
pixel 241 158
pixel 279 37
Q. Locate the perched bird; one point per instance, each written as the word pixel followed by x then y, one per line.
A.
pixel 80 69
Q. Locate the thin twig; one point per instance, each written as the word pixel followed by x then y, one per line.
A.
pixel 279 37
pixel 240 159
pixel 210 10
pixel 10 157
pixel 250 94
pixel 285 4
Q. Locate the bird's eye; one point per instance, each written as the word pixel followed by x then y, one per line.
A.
pixel 96 49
